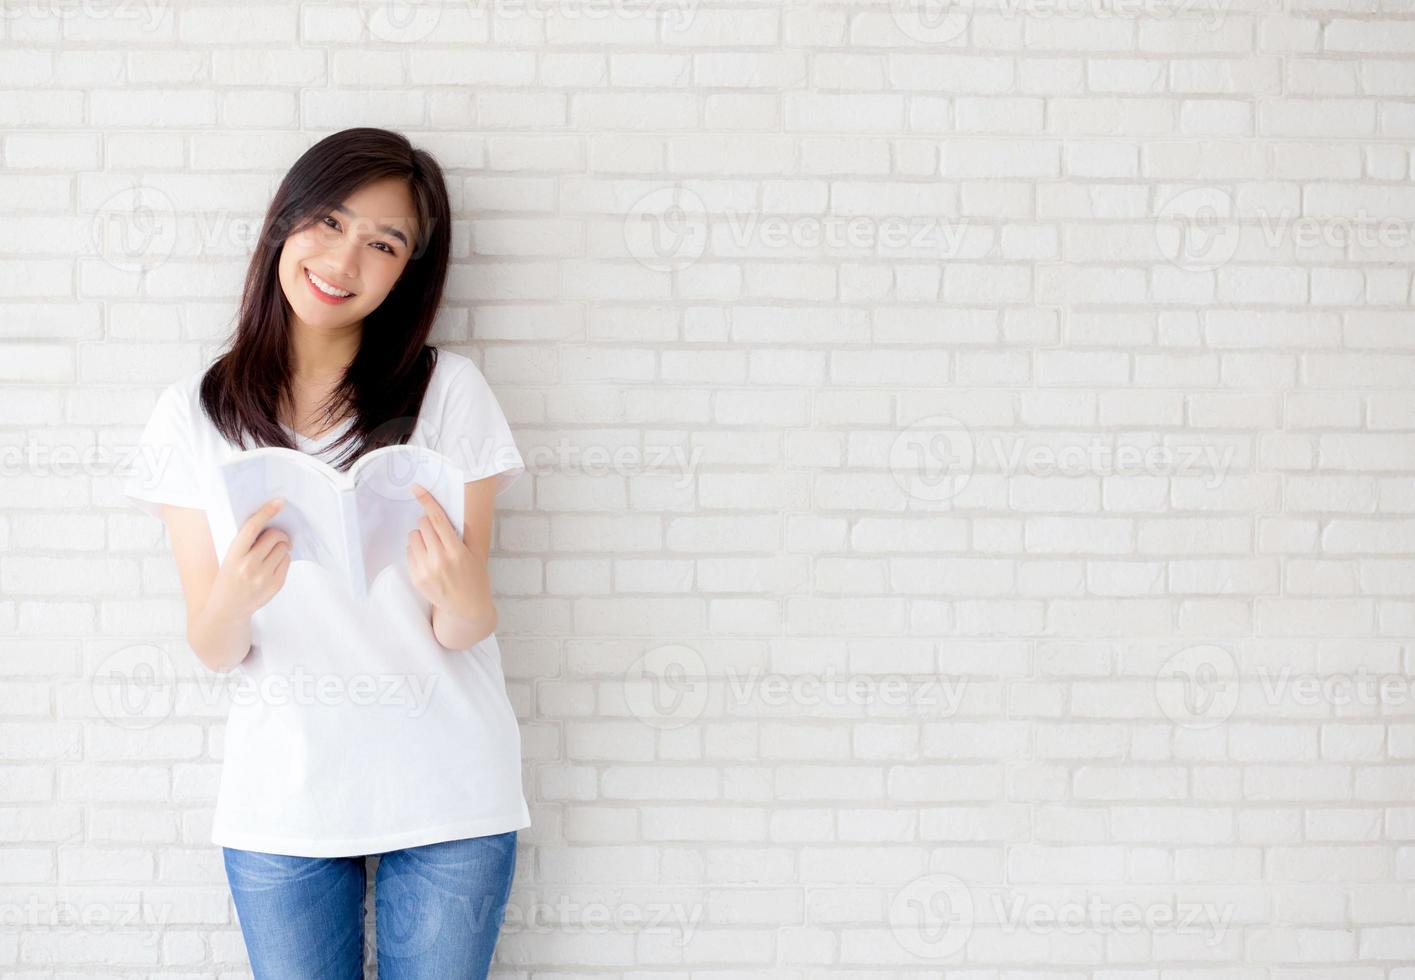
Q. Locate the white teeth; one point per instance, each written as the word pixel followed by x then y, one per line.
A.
pixel 325 287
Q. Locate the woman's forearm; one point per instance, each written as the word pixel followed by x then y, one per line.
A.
pixel 471 620
pixel 456 633
pixel 219 639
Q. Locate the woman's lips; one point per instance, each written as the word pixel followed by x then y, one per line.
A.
pixel 321 294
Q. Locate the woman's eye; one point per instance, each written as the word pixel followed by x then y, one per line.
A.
pixel 329 221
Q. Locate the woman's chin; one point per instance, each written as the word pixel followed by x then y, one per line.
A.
pixel 321 317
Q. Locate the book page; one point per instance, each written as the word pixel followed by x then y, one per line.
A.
pixel 311 515
pixel 388 511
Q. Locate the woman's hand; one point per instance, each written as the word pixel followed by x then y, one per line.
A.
pixel 441 566
pixel 255 566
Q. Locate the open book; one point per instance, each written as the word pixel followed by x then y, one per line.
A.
pixel 353 524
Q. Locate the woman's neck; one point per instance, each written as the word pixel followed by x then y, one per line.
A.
pixel 320 357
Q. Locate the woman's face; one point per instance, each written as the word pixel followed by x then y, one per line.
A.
pixel 357 251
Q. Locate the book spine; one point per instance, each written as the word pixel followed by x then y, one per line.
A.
pixel 353 545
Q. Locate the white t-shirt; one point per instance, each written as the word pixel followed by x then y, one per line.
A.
pixel 352 730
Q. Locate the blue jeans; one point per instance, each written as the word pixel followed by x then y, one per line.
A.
pixel 438 909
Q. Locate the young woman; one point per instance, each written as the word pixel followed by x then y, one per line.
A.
pixel 379 727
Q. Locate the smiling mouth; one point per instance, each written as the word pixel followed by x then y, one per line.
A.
pixel 326 289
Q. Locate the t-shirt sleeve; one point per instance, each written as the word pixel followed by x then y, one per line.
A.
pixel 474 433
pixel 164 461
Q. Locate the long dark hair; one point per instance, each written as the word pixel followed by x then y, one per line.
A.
pixel 243 390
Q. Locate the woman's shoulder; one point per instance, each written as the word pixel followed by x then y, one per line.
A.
pixel 452 369
pixel 187 390
pixel 181 395
pixel 450 363
pixel 180 401
pixel 189 385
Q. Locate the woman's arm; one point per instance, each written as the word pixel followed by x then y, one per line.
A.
pixel 218 641
pixel 219 612
pixel 468 615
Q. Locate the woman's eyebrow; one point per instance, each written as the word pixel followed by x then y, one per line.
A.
pixel 386 229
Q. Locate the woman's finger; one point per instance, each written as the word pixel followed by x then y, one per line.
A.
pixel 439 523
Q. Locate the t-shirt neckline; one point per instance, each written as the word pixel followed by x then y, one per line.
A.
pixel 322 440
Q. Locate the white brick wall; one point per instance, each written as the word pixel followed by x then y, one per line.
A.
pixel 971 531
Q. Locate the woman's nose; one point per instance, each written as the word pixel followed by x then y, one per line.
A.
pixel 344 260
